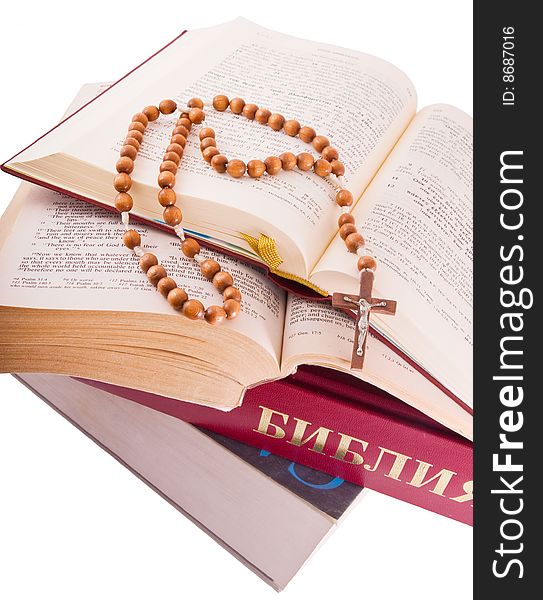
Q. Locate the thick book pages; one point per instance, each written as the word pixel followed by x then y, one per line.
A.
pixel 411 176
pixel 267 513
pixel 74 301
pixel 351 431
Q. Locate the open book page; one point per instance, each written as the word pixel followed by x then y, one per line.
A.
pixel 317 333
pixel 62 253
pixel 416 217
pixel 361 103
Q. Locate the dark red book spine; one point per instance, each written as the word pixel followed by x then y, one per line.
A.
pixel 324 420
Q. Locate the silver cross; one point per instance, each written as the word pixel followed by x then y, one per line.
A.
pixel 363 320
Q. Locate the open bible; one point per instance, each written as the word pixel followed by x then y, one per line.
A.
pixel 71 303
pixel 410 172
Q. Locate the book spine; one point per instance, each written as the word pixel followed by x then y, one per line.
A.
pixel 389 452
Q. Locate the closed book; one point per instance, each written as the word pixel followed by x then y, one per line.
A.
pixel 324 420
pixel 268 513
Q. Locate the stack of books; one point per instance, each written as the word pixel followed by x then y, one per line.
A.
pixel 264 412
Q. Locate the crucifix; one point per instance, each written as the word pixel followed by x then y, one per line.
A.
pixel 364 304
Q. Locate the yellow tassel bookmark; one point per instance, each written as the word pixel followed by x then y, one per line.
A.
pixel 266 249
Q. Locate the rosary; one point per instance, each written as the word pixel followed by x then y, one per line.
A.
pixel 327 165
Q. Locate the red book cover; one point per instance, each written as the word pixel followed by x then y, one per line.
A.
pixel 325 420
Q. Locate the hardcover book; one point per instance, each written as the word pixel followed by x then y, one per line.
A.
pixel 410 172
pixel 333 423
pixel 270 514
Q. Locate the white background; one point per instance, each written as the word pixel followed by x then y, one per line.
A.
pixel 73 522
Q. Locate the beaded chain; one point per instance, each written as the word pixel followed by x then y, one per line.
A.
pixel 328 165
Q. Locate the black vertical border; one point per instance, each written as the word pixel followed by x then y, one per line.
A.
pixel 500 128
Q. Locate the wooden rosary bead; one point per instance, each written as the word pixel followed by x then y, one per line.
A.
pixel 206 142
pixel 307 134
pixel 256 168
pixel 131 238
pixel 122 182
pixel 346 230
pixel 129 151
pixel 320 142
pixel 232 308
pixel 209 268
pixel 292 127
pixel 209 153
pixel 141 118
pixel 206 132
pixel 125 165
pixel 132 141
pixel 276 121
pixel 195 103
pixel 167 107
pixel 329 153
pixel 288 161
pixel 147 261
pixel 136 126
pixel 221 103
pixel 262 115
pixel 222 280
pixel 177 297
pixel 322 167
pixel 305 161
pixel 165 286
pixel 338 168
pixel 345 218
pixel 219 163
pixel 151 112
pixel 123 202
pixel 231 293
pixel 166 179
pixel 197 115
pixel 236 105
pixel 190 247
pixel 172 215
pixel 181 130
pixel 344 198
pixel 236 168
pixel 136 135
pixel 177 148
pixel 367 262
pixel 185 122
pixel 193 309
pixel 168 165
pixel 215 315
pixel 249 111
pixel 353 241
pixel 173 156
pixel 177 138
pixel 166 197
pixel 155 273
pixel 273 165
